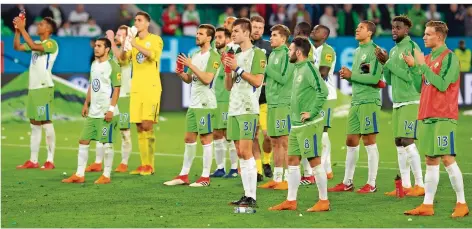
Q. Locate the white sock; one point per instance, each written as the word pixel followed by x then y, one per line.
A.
pixel 245 176
pixel 207 160
pixel 326 152
pixel 109 153
pixel 286 175
pixel 404 166
pixel 233 155
pixel 415 163
pixel 293 182
pixel 278 174
pixel 352 156
pixel 321 182
pixel 189 155
pixel 372 163
pixel 82 159
pixel 307 170
pixel 455 175
pixel 252 171
pixel 431 180
pixel 220 152
pixel 50 140
pixel 36 134
pixel 126 146
pixel 99 152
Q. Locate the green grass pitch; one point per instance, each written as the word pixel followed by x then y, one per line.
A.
pixel 34 198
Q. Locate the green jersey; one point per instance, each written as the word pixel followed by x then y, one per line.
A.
pixel 244 98
pixel 397 73
pixel 309 93
pixel 279 77
pixel 125 67
pixel 103 77
pixel 201 95
pixel 222 95
pixel 40 69
pixel 363 82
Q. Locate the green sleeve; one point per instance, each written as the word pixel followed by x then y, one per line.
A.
pixel 417 78
pixel 387 76
pixel 374 75
pixel 327 57
pixel 258 62
pixel 50 46
pixel 280 77
pixel 320 89
pixel 310 56
pixel 115 74
pixel 213 63
pixel 27 48
pixel 402 73
pixel 449 73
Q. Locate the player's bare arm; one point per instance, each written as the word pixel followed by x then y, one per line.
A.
pixel 114 101
pixel 229 81
pixel 86 103
pixel 254 80
pixel 204 77
pixel 16 42
pixel 324 71
pixel 114 48
pixel 148 53
pixel 20 25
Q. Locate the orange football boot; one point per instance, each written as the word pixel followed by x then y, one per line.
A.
pixel 28 165
pixel 74 179
pixel 422 210
pixel 94 167
pixel 147 171
pixel 48 166
pixel 290 205
pixel 103 180
pixel 460 210
pixel 394 192
pixel 138 170
pixel 122 168
pixel 416 191
pixel 281 186
pixel 320 206
pixel 269 185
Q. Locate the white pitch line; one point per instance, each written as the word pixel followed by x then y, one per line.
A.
pixel 178 155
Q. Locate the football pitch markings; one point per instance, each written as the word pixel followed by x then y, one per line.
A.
pixel 181 155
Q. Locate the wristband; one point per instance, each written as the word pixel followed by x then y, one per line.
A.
pixel 239 71
pixel 111 109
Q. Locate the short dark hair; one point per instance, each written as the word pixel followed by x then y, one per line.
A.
pixel 124 27
pixel 257 18
pixel 144 14
pixel 439 27
pixel 302 44
pixel 106 41
pixel 210 30
pixel 328 31
pixel 244 23
pixel 51 23
pixel 304 28
pixel 282 29
pixel 403 18
pixel 370 26
pixel 226 31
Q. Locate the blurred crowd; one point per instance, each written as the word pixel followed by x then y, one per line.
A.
pixel 183 20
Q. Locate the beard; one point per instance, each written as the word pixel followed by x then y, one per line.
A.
pixel 219 45
pixel 293 59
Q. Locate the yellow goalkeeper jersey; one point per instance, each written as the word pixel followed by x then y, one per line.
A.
pixel 145 76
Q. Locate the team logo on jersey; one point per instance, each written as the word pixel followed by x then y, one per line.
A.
pixel 34 58
pixel 238 79
pixel 426 82
pixel 216 65
pixel 194 78
pixel 49 44
pixel 140 57
pixel 364 56
pixel 393 52
pixel 276 61
pixel 262 63
pixel 95 85
pixel 400 56
pixel 118 76
pixel 264 51
pixel 148 44
pixel 329 57
pixel 436 64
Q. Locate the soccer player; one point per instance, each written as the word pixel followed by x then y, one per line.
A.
pixel 40 89
pixel 123 104
pixel 228 24
pixel 303 29
pixel 365 107
pixel 202 68
pixel 405 105
pixel 279 90
pixel 103 114
pixel 222 39
pixel 146 89
pixel 325 61
pixel 258 24
pixel 245 86
pixel 308 96
pixel 439 113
